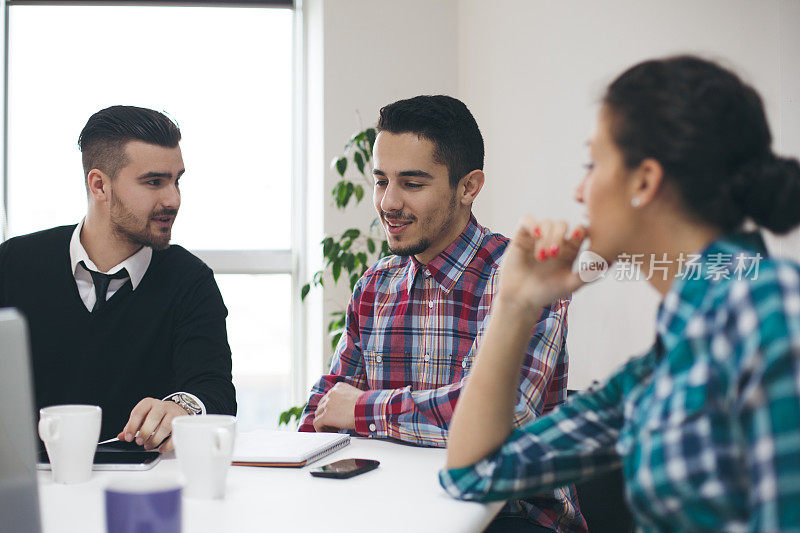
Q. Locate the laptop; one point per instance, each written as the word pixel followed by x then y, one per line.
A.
pixel 19 498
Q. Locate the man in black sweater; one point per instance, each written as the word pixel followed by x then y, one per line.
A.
pixel 118 317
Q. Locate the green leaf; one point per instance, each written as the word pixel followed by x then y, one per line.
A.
pixel 349 262
pixel 341 194
pixel 347 244
pixel 337 270
pixel 354 279
pixel 350 188
pixel 371 245
pixel 359 160
pixel 341 165
pixel 362 258
pixel 327 246
pixel 359 191
pixel 335 340
pixel 304 291
pixel 370 136
pixel 293 412
pixel 357 136
pixel 351 234
pixel 385 249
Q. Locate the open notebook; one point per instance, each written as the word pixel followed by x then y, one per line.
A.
pixel 285 448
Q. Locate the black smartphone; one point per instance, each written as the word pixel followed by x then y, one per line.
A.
pixel 345 468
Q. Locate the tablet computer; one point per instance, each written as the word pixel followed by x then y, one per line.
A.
pixel 114 456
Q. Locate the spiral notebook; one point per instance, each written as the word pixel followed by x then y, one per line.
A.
pixel 285 448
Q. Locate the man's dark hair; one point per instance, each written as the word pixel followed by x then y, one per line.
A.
pixel 102 140
pixel 444 121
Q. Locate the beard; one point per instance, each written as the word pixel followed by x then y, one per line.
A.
pixel 135 229
pixel 428 234
pixel 411 249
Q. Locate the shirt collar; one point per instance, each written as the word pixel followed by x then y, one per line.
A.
pixel 447 267
pixel 136 265
pixel 687 293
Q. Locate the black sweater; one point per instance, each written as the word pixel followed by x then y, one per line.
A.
pixel 166 336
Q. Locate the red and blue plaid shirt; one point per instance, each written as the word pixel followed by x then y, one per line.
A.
pixel 411 332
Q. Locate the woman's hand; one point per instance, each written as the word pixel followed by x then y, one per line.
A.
pixel 537 267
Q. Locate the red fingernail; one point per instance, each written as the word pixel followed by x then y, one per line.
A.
pixel 537 232
pixel 554 250
pixel 542 255
pixel 576 234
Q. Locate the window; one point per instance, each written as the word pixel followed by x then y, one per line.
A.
pixel 225 75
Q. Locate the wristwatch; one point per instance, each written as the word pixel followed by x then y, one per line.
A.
pixel 188 403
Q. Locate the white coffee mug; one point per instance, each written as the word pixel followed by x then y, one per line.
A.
pixel 204 447
pixel 70 434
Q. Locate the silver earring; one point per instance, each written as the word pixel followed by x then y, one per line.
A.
pixel 635 202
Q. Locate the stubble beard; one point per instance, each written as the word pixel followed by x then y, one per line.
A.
pixel 425 242
pixel 128 226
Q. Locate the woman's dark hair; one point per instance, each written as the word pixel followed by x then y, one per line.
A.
pixel 102 140
pixel 447 123
pixel 708 131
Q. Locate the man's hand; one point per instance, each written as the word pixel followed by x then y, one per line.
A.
pixel 153 420
pixel 336 410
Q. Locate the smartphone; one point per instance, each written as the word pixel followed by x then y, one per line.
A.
pixel 345 468
pixel 114 456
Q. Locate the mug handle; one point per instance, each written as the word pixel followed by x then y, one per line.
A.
pixel 48 429
pixel 223 442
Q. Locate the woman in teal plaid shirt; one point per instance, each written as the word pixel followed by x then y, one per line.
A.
pixel 706 425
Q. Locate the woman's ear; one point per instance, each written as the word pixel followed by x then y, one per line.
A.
pixel 646 183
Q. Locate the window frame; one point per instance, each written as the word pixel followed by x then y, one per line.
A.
pixel 290 261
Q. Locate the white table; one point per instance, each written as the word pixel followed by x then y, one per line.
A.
pixel 402 495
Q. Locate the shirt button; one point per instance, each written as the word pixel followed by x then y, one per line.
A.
pixel 372 427
pixel 379 359
pixel 426 272
pixel 430 304
pixel 463 364
pixel 427 357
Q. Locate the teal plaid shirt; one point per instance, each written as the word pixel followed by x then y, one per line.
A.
pixel 706 425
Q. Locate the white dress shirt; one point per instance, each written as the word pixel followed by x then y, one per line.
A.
pixel 136 266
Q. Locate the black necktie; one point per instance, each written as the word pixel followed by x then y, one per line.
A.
pixel 101 282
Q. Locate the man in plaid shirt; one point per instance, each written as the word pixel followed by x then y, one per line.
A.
pixel 415 318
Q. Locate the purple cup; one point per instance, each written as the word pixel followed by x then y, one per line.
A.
pixel 143 505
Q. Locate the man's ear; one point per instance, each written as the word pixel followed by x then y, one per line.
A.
pixel 470 185
pixel 648 179
pixel 98 183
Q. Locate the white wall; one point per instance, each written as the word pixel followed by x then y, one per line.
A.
pixel 364 54
pixel 787 129
pixel 532 73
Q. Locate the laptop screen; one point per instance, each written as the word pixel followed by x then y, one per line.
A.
pixel 19 504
